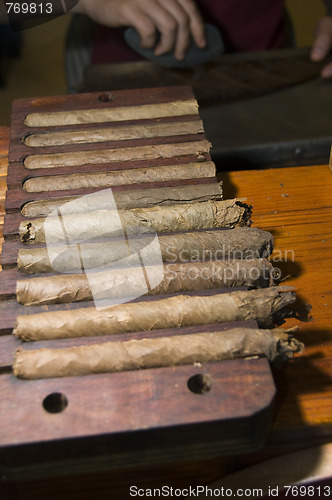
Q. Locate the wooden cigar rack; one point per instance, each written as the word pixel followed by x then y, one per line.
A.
pixel 127 418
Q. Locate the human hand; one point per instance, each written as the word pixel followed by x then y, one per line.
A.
pixel 323 44
pixel 176 20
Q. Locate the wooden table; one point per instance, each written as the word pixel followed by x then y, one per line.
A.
pixel 295 204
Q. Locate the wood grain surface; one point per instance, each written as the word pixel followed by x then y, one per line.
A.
pixel 296 205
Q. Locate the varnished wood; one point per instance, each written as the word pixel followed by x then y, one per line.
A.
pixel 88 417
pixel 295 204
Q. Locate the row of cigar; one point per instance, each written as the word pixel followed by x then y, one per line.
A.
pixel 182 240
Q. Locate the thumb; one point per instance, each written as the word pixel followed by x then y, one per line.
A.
pixel 323 39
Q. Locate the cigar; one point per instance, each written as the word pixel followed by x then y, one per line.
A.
pixel 237 243
pixel 267 306
pixel 109 155
pixel 154 352
pixel 112 114
pixel 143 131
pixel 109 178
pixel 126 282
pixel 105 223
pixel 133 198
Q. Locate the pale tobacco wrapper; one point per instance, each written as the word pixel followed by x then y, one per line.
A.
pixel 112 114
pixel 154 352
pixel 127 199
pixel 239 243
pixel 266 305
pixel 100 224
pixel 110 178
pixel 115 133
pixel 122 282
pixel 99 156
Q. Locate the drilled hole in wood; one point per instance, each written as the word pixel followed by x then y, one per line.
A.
pixel 55 402
pixel 200 383
pixel 107 97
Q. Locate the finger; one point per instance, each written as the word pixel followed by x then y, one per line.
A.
pixel 327 71
pixel 146 30
pixel 182 35
pixel 143 24
pixel 197 27
pixel 323 39
pixel 166 24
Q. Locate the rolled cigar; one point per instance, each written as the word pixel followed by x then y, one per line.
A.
pixel 239 243
pixel 152 353
pixel 47 139
pixel 120 177
pixel 265 305
pixel 128 282
pixel 112 114
pixel 135 198
pixel 99 156
pixel 103 223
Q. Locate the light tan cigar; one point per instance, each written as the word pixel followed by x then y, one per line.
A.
pixel 128 282
pixel 155 352
pixel 112 114
pixel 105 223
pixel 132 198
pixel 237 243
pixel 84 136
pixel 120 177
pixel 100 156
pixel 264 305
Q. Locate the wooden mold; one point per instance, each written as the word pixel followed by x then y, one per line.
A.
pixel 137 417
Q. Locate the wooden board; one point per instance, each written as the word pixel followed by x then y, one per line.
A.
pixel 133 418
pixel 235 76
pixel 225 421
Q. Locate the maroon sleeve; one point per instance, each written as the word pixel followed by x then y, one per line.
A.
pixel 247 25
